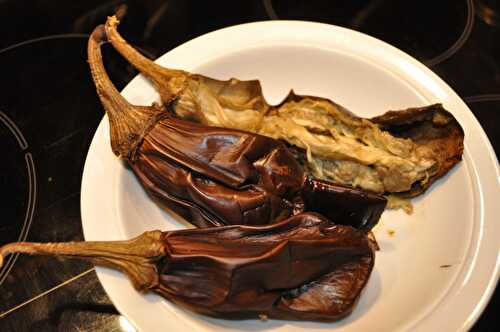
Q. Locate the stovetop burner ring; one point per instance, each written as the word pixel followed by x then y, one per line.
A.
pixel 32 190
pixel 460 41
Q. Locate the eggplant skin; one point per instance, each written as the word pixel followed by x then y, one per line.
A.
pixel 353 207
pixel 304 268
pixel 217 176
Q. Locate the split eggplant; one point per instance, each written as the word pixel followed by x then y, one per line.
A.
pixel 215 176
pixel 304 268
pixel 400 153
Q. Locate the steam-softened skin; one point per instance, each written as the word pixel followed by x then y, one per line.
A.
pixel 223 176
pixel 215 176
pixel 304 268
pixel 379 155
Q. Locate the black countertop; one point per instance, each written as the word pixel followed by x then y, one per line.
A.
pixel 49 112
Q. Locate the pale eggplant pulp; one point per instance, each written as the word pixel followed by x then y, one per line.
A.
pixel 379 155
pixel 215 176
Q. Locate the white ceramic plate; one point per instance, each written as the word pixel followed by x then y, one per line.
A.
pixel 439 268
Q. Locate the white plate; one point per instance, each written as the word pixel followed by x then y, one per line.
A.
pixel 455 223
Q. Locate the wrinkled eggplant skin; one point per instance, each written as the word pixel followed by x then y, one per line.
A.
pixel 304 268
pixel 217 176
pixel 225 155
pixel 319 194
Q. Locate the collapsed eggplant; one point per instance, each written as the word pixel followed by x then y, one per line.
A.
pixel 304 268
pixel 216 176
pixel 399 153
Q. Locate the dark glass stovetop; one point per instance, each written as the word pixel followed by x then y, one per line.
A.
pixel 49 111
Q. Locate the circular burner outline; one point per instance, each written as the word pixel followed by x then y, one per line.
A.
pixel 30 165
pixel 32 191
pixel 63 36
pixel 268 5
pixel 471 13
pixel 31 41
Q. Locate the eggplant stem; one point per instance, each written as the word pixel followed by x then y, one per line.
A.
pixel 168 82
pixel 137 257
pixel 128 123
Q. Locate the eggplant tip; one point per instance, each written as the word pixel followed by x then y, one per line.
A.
pixel 113 20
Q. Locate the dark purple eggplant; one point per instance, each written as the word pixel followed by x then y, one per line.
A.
pixel 303 268
pixel 217 176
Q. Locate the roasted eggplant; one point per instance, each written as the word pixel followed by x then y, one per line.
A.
pixel 215 176
pixel 399 153
pixel 304 268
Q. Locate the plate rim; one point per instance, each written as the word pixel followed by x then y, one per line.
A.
pixel 106 278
